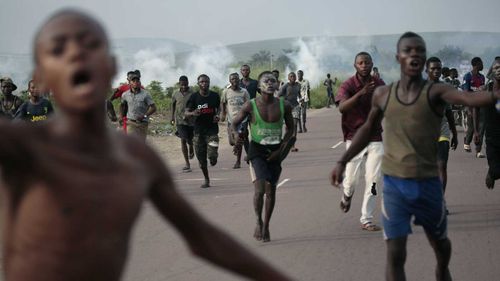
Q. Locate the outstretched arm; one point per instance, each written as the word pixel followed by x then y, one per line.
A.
pixel 452 96
pixel 204 240
pixel 362 136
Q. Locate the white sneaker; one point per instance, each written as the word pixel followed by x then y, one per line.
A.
pixel 479 155
pixel 467 147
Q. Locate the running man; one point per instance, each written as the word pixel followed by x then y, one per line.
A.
pixel 204 106
pixel 268 147
pixel 412 110
pixel 448 137
pixel 9 103
pixel 71 218
pixel 37 108
pixel 184 125
pixel 138 106
pixel 473 81
pixel 354 102
pixel 329 83
pixel 231 101
pixel 291 92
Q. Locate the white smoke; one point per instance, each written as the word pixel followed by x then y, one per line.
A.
pixel 321 55
pixel 161 65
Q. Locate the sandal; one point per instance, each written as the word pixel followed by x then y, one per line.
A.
pixel 370 227
pixel 345 203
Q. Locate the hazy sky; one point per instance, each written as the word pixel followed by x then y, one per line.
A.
pixel 221 21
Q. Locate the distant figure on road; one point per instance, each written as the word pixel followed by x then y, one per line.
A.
pixel 72 189
pixel 268 147
pixel 329 83
pixel 304 100
pixel 412 109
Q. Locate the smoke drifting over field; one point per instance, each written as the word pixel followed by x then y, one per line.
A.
pixel 161 65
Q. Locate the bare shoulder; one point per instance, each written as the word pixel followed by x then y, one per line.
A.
pixel 380 96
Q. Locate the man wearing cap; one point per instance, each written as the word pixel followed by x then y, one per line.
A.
pixel 9 103
pixel 137 105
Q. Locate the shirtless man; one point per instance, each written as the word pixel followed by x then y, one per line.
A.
pixel 70 198
pixel 329 83
pixel 267 148
pixel 412 109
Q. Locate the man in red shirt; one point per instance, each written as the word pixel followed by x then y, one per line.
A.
pixel 117 93
pixel 354 102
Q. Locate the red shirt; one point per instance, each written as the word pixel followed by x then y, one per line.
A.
pixel 356 116
pixel 122 89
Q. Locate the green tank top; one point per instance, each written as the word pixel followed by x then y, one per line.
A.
pixel 411 133
pixel 266 133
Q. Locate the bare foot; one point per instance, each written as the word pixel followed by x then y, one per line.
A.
pixel 266 236
pixel 258 232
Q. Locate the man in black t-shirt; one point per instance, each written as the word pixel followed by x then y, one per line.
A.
pixel 204 105
pixel 37 108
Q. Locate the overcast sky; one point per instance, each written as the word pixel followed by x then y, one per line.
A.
pixel 222 21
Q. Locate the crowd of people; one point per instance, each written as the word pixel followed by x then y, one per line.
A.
pixel 87 182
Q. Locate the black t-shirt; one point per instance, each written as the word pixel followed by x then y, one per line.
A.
pixel 35 112
pixel 209 107
pixel 251 87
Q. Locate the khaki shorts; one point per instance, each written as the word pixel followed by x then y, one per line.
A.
pixel 139 129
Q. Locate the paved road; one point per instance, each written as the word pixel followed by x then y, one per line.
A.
pixel 311 238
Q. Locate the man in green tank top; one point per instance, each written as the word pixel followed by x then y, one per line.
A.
pixel 268 146
pixel 412 110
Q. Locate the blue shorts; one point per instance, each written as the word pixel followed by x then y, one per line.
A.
pixel 422 198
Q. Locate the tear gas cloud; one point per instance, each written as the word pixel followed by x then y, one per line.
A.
pixel 164 66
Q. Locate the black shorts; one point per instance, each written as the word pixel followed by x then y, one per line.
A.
pixel 260 169
pixel 185 132
pixel 443 151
